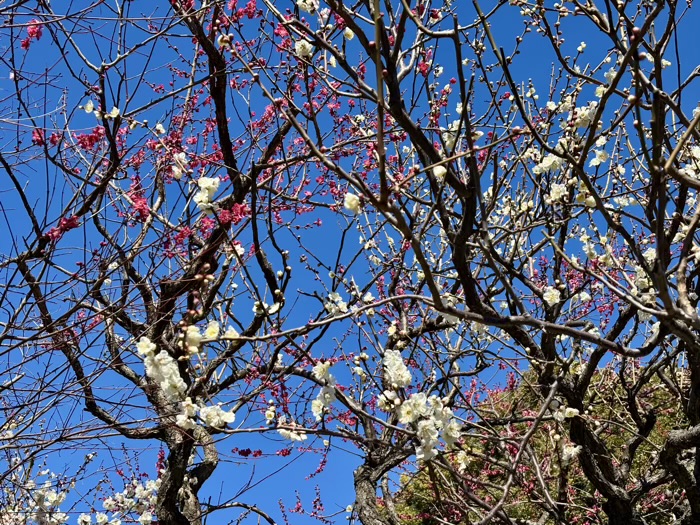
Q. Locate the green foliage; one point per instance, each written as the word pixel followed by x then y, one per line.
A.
pixel 439 492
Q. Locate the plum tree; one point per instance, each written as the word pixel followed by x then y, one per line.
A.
pixel 405 238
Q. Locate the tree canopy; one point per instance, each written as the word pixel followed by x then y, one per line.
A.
pixel 420 248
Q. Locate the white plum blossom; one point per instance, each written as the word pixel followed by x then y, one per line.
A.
pixel 583 116
pixel 296 433
pixel 208 186
pixel 413 408
pixel 439 172
pixel 396 374
pixel 427 431
pixel 335 304
pixel 582 297
pixel 352 203
pixel 292 435
pixel 224 40
pixel 324 399
pixel 428 437
pixel 348 34
pixel 309 6
pixel 565 413
pixel 610 75
pixel 388 401
pixel 270 413
pixel 431 419
pixel 359 371
pixel 650 255
pixel 216 417
pixel 569 452
pixel 451 432
pixel 145 347
pixel 557 192
pixel 231 333
pixel 303 48
pixel 548 164
pixel 321 372
pixel 600 157
pixel 449 135
pixel 462 460
pixel 186 418
pixel 192 340
pixel 551 296
pixel 163 369
pixel 179 165
pixel 570 412
pixel 212 330
pixel 184 422
pixel 261 308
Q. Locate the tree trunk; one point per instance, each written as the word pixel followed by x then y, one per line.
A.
pixel 621 512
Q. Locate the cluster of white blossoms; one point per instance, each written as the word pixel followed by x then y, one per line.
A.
pixel 388 401
pixel 583 116
pixel 213 416
pixel 185 419
pixel 327 394
pixel 548 164
pixel 432 419
pixel 262 308
pixel 163 369
pixel 557 192
pixel 396 373
pixel 589 247
pixel 569 452
pixel 565 413
pixel 179 165
pixel 42 505
pixel 309 6
pixel 294 433
pixel 601 156
pixel 135 498
pixel 208 186
pixel 323 400
pixel 449 135
pixel 89 107
pixel 335 304
pixel 191 340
